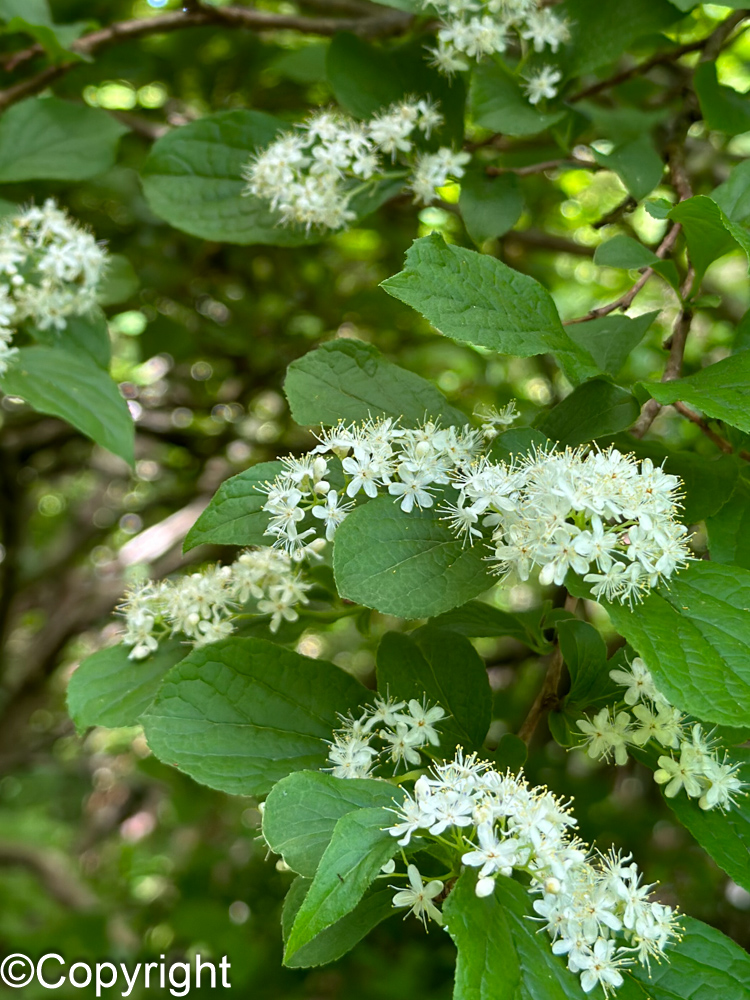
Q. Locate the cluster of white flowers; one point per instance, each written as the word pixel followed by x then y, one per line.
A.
pixel 698 769
pixel 50 268
pixel 202 605
pixel 471 29
pixel 601 514
pixel 594 907
pixel 311 174
pixel 403 729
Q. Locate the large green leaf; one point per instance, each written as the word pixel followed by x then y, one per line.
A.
pixel 33 17
pixel 475 618
pixel 500 954
pixel 694 638
pixel 74 388
pixel 45 138
pixel 445 668
pixel 585 655
pixel 234 516
pixel 409 565
pixel 359 847
pixel 86 336
pixel 477 299
pixel 733 196
pixel 625 252
pixel 600 32
pixel 595 409
pixel 725 836
pixel 240 714
pixel 498 103
pixel 610 339
pixel 375 906
pixel 193 179
pixel 108 689
pixel 721 390
pixel 350 380
pixel 723 108
pixel 303 808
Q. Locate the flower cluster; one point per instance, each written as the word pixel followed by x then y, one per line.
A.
pixel 202 605
pixel 593 906
pixel 50 268
pixel 601 514
pixel 311 174
pixel 403 729
pixel 471 29
pixel 698 769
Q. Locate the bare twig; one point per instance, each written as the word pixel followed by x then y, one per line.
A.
pixel 381 24
pixel 52 870
pixel 711 45
pixel 547 698
pixel 538 168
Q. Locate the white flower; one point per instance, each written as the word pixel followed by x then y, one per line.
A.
pixel 402 744
pixel 684 773
pixel 332 513
pixel 542 84
pixel 606 735
pixel 422 719
pixel 637 680
pixel 601 968
pixel 492 855
pixel 420 896
pixel 412 489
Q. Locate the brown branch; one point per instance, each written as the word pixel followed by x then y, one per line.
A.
pixel 712 44
pixel 538 168
pixel 538 240
pixel 548 697
pixel 53 872
pixel 379 25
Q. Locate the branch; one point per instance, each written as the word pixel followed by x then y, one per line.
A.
pixel 538 168
pixel 380 25
pixel 52 871
pixel 548 696
pixel 712 44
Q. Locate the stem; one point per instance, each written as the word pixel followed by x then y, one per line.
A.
pixel 547 697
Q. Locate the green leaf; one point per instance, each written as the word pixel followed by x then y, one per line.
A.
pixel 45 138
pixel 120 281
pixel 72 387
pixel 366 78
pixel 601 32
pixel 303 808
pixel 625 252
pixel 350 380
pixel 359 847
pixel 639 165
pixel 729 529
pixel 478 619
pixel 234 516
pixel 733 196
pixel 490 206
pixel 725 836
pixel 585 655
pixel 487 965
pixel 709 234
pixel 722 108
pixel 476 299
pixel 610 339
pixel 445 668
pixel 110 690
pixel 86 336
pixel 409 565
pixel 694 639
pixel 721 390
pixel 704 965
pixel 497 102
pixel 500 954
pixel 192 178
pixel 240 714
pixel 708 482
pixel 375 906
pixel 595 409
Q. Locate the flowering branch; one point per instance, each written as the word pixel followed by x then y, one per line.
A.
pixel 547 697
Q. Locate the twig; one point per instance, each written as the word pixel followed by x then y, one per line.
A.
pixel 712 44
pixel 547 698
pixel 538 168
pixel 53 872
pixel 379 25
